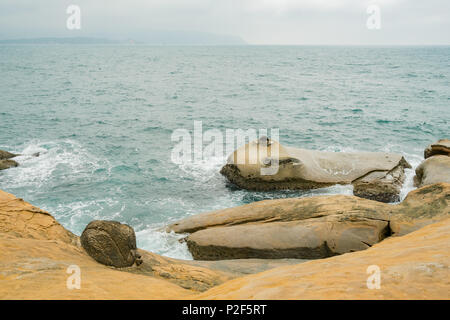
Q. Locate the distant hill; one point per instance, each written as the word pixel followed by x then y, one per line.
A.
pixel 74 40
pixel 150 37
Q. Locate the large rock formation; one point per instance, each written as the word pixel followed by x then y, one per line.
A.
pixel 441 147
pixel 5 160
pixel 436 166
pixel 36 253
pixel 111 243
pixel 309 228
pixel 415 266
pixel 270 166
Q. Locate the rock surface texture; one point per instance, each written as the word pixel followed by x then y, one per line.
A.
pixel 5 160
pixel 271 166
pixel 36 253
pixel 309 228
pixel 441 147
pixel 111 243
pixel 436 166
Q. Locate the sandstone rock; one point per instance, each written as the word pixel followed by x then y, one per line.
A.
pixel 111 243
pixel 6 164
pixel 254 166
pixel 309 228
pixel 441 147
pixel 414 266
pixel 4 155
pixel 36 251
pixel 433 170
pixel 21 219
pixel 380 185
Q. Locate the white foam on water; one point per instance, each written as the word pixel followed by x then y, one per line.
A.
pixel 155 239
pixel 35 171
pixel 414 160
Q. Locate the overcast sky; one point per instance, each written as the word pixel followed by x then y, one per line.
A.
pixel 256 21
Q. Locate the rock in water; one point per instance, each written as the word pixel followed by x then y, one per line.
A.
pixel 6 164
pixel 441 147
pixel 6 155
pixel 375 175
pixel 111 243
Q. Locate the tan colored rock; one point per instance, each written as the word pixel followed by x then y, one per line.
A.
pixel 441 147
pixel 21 219
pixel 260 167
pixel 433 170
pixel 35 252
pixel 414 266
pixel 308 228
pixel 35 266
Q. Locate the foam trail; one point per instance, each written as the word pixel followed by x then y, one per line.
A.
pixel 166 244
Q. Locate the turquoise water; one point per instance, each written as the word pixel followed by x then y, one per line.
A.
pixel 102 119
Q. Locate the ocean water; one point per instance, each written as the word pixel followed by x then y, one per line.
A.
pixel 102 118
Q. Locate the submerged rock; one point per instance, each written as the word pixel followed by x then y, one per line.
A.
pixel 6 164
pixel 111 243
pixel 309 228
pixel 375 175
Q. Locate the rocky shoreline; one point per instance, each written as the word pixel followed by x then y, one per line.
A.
pixel 300 248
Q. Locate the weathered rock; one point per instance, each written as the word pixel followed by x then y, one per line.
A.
pixel 6 164
pixel 441 147
pixel 414 266
pixel 111 243
pixel 255 166
pixel 4 155
pixel 433 170
pixel 308 228
pixel 36 251
pixel 380 185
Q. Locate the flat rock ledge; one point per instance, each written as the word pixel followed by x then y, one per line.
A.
pixel 309 228
pixel 37 252
pixel 375 175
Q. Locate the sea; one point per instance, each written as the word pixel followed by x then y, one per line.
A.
pixel 102 119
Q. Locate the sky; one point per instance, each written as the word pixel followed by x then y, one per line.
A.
pixel 281 22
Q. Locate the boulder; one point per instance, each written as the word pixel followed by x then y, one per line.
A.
pixel 271 166
pixel 441 147
pixel 6 164
pixel 111 243
pixel 309 228
pixel 433 170
pixel 6 155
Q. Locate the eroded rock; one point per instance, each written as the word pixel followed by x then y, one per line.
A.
pixel 255 166
pixel 111 243
pixel 309 228
pixel 441 147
